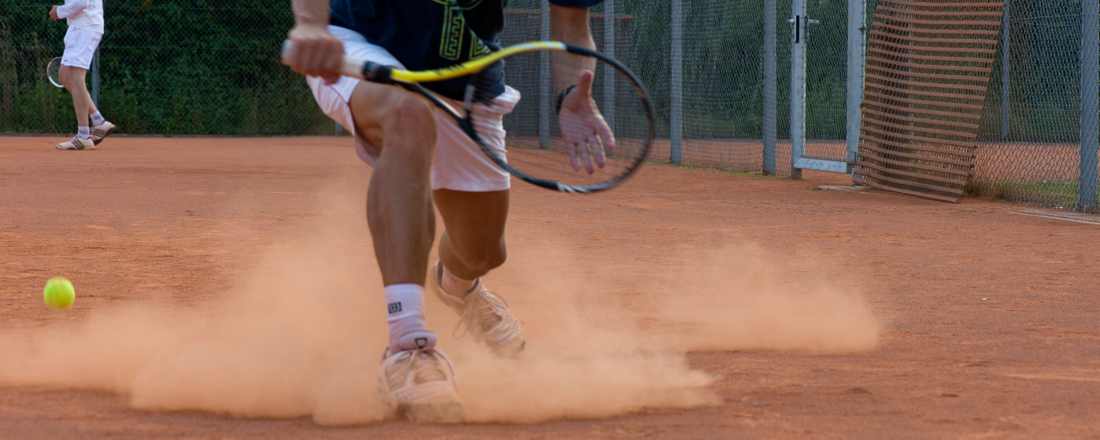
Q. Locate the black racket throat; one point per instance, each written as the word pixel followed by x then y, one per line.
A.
pixel 378 73
pixel 577 50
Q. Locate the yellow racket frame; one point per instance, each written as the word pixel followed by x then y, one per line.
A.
pixel 472 66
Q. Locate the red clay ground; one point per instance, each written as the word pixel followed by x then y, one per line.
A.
pixel 990 323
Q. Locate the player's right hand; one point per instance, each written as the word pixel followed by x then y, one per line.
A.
pixel 314 52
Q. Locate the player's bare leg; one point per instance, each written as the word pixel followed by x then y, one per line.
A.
pixel 472 245
pixel 399 203
pixel 73 78
pixel 416 377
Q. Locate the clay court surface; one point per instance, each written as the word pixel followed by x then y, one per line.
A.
pixel 226 289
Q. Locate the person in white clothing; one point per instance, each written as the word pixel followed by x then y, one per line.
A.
pixel 86 27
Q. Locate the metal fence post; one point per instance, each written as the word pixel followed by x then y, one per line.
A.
pixel 95 78
pixel 798 84
pixel 609 43
pixel 1090 104
pixel 857 23
pixel 676 95
pixel 546 86
pixel 771 86
pixel 1006 69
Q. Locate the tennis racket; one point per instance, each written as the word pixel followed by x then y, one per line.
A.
pixel 545 155
pixel 53 72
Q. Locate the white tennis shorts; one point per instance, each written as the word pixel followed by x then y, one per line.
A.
pixel 80 46
pixel 459 163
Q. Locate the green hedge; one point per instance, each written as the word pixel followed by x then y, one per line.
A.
pixel 181 67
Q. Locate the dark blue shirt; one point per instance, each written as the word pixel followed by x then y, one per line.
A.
pixel 432 34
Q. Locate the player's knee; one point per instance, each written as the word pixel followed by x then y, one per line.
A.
pixel 65 76
pixel 71 78
pixel 409 129
pixel 411 116
pixel 497 259
pixel 487 259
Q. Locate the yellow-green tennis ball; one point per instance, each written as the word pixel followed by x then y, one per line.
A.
pixel 59 293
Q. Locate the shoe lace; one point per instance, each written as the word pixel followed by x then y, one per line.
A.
pixel 423 370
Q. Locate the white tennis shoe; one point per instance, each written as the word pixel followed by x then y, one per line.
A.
pixel 485 315
pixel 76 143
pixel 420 383
pixel 101 131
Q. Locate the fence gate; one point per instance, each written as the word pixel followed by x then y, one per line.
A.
pixel 815 103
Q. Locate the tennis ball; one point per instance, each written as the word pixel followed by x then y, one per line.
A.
pixel 59 293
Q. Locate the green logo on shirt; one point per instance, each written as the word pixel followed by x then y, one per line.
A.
pixel 454 27
pixel 455 30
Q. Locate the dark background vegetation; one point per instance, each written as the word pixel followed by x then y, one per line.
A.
pixel 211 67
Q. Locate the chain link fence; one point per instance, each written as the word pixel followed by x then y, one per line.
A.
pixel 1030 139
pixel 205 67
pixel 721 86
pixel 704 62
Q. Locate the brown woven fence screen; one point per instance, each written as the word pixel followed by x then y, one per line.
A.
pixel 929 64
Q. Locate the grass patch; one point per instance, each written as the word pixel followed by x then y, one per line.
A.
pixel 1058 194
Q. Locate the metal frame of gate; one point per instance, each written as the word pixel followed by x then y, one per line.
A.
pixel 801 24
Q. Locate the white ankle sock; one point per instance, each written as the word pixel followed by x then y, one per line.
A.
pixel 83 132
pixel 405 316
pixel 454 285
pixel 97 118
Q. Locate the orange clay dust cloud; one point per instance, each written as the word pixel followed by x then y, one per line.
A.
pixel 301 332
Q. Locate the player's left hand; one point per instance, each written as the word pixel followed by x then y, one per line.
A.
pixel 586 132
pixel 53 13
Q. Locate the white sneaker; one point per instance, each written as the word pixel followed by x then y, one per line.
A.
pixel 421 384
pixel 101 131
pixel 485 315
pixel 76 143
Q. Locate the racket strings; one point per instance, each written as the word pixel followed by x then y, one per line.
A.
pixel 540 148
pixel 53 72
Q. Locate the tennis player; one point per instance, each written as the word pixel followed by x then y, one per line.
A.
pixel 85 20
pixel 422 159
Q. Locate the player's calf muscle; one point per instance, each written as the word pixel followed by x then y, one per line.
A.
pixel 475 224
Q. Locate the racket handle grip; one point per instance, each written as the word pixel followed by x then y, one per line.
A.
pixel 351 66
